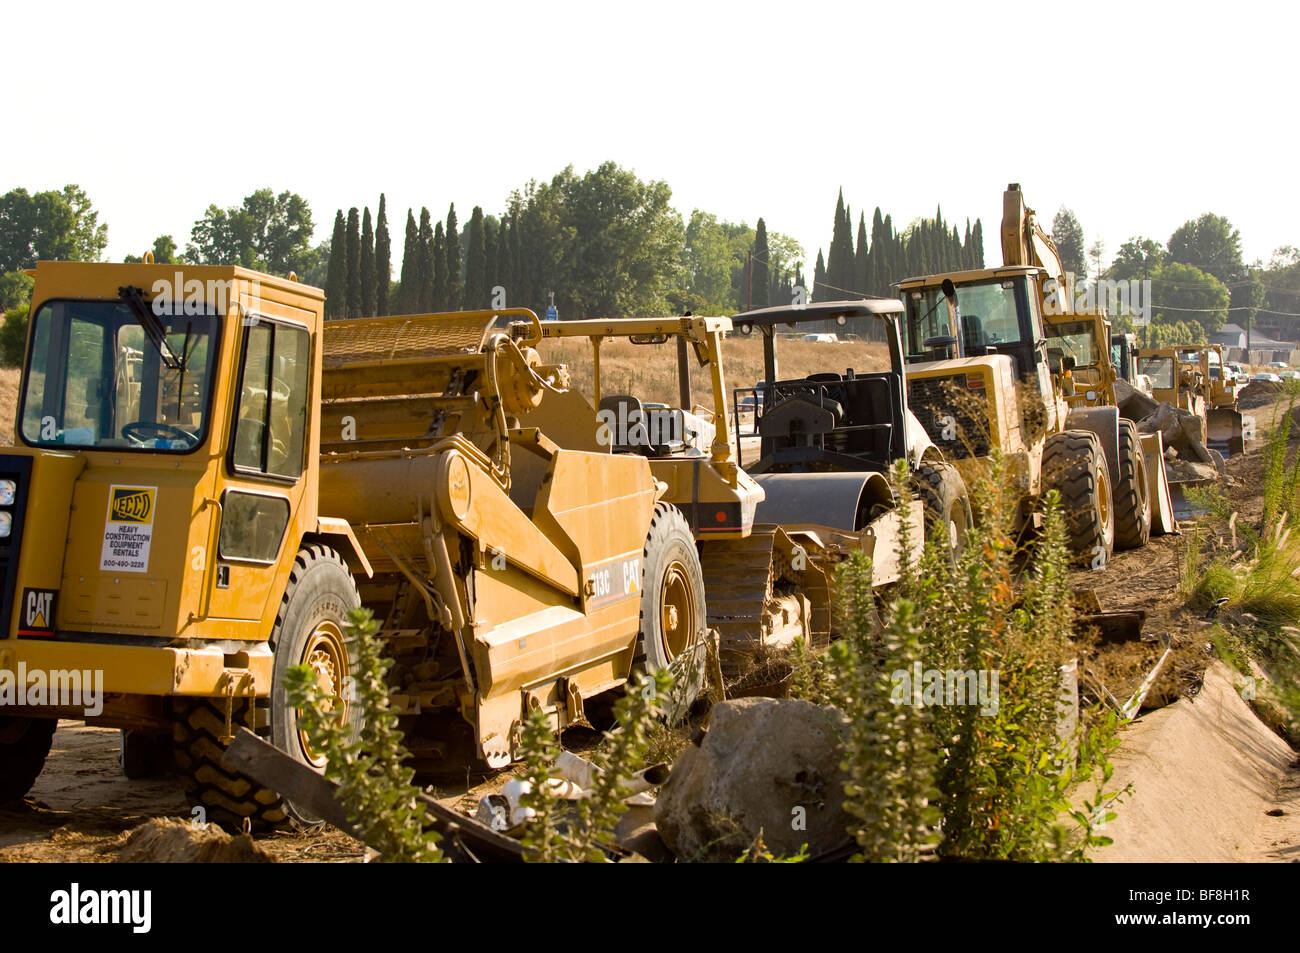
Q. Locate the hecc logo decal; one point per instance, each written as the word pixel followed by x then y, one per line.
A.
pixel 130 504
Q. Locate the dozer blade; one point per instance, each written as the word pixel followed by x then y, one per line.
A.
pixel 1226 431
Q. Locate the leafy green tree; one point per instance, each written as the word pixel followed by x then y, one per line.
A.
pixel 15 290
pixel 1211 244
pixel 13 336
pixel 269 232
pixel 408 288
pixel 354 264
pixel 383 259
pixel 1181 292
pixel 89 237
pixel 336 276
pixel 623 250
pixel 40 227
pixel 476 262
pixel 1137 258
pixel 1068 235
pixel 451 249
pixel 367 265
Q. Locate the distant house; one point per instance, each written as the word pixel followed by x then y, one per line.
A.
pixel 1230 335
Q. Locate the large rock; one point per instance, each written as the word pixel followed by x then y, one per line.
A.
pixel 1180 429
pixel 766 765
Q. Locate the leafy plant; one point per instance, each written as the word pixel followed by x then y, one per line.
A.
pixel 367 762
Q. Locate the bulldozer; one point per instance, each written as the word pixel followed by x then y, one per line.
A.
pixel 206 477
pixel 769 573
pixel 984 373
pixel 1195 378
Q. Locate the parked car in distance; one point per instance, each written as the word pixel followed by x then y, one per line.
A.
pixel 1290 375
pixel 822 338
pixel 1280 365
pixel 1267 376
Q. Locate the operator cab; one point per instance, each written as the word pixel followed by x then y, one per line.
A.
pixel 974 314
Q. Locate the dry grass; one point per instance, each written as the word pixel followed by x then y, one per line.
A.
pixel 650 370
pixel 9 377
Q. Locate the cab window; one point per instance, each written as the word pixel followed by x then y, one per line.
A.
pixel 271 419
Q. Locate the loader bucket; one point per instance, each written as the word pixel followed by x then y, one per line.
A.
pixel 1226 431
pixel 1163 519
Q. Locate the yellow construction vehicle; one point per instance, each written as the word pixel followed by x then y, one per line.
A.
pixel 207 477
pixel 768 576
pixel 827 441
pixel 1195 378
pixel 984 372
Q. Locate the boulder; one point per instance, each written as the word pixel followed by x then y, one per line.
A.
pixel 768 766
pixel 1180 429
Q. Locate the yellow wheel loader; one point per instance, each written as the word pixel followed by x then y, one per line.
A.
pixel 768 576
pixel 983 373
pixel 207 477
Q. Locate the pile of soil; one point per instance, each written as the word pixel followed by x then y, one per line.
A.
pixel 1258 394
pixel 165 841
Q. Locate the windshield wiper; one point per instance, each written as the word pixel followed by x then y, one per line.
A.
pixel 153 328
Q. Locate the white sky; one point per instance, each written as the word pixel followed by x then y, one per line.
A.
pixel 1114 109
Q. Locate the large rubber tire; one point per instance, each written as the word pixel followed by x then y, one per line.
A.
pixel 947 504
pixel 673 615
pixel 1074 464
pixel 24 746
pixel 1132 494
pixel 308 630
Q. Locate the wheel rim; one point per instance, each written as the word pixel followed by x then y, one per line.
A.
pixel 1103 498
pixel 676 610
pixel 327 656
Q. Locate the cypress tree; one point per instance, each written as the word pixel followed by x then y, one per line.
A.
pixel 977 243
pixel 878 277
pixel 759 281
pixel 367 265
pixel 383 260
pixel 839 262
pixel 861 265
pixel 438 263
pixel 408 289
pixel 476 263
pixel 354 263
pixel 491 247
pixel 452 247
pixel 819 280
pixel 518 290
pixel 424 285
pixel 505 258
pixel 336 272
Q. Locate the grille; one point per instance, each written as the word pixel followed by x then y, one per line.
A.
pixel 933 399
